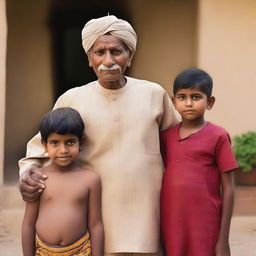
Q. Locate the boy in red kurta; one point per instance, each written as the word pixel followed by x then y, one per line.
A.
pixel 197 191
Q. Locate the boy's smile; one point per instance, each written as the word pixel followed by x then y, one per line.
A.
pixel 191 103
pixel 63 150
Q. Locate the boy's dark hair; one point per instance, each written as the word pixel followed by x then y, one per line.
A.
pixel 193 78
pixel 62 121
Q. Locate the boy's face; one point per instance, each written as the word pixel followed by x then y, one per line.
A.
pixel 63 150
pixel 191 103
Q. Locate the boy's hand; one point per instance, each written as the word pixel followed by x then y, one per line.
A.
pixel 31 184
pixel 222 249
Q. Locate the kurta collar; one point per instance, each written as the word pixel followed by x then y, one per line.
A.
pixel 190 135
pixel 105 91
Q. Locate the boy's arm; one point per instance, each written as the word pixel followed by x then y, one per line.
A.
pixel 95 225
pixel 28 228
pixel 222 247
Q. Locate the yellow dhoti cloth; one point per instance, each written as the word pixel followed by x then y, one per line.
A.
pixel 82 247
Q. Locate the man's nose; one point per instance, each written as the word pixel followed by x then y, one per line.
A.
pixel 108 59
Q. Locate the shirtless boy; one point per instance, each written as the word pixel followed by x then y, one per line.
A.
pixel 66 220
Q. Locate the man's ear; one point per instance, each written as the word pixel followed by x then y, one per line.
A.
pixel 130 58
pixel 89 59
pixel 210 102
pixel 44 144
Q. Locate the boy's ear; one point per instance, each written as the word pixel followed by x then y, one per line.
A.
pixel 210 102
pixel 81 143
pixel 44 144
pixel 173 100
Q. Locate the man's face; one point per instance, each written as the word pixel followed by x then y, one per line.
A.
pixel 108 51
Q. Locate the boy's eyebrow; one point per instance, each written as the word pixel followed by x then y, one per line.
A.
pixel 71 139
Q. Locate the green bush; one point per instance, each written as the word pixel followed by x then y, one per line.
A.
pixel 245 150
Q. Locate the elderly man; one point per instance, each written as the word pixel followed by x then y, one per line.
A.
pixel 123 117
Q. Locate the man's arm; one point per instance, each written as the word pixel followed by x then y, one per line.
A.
pixel 31 184
pixel 28 228
pixel 222 247
pixel 170 116
pixel 95 225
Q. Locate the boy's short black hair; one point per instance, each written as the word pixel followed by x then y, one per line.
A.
pixel 62 121
pixel 193 78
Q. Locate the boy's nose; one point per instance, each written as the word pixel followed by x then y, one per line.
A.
pixel 188 102
pixel 63 149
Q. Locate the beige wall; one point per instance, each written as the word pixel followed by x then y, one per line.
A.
pixel 166 45
pixel 29 75
pixel 3 32
pixel 166 38
pixel 216 35
pixel 227 50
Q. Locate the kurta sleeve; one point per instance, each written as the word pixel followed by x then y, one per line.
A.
pixel 163 148
pixel 170 116
pixel 225 158
pixel 36 155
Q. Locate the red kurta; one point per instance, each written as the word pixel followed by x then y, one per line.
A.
pixel 190 197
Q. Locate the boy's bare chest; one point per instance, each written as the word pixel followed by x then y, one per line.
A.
pixel 71 188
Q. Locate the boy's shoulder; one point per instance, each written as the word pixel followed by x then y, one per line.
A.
pixel 90 174
pixel 90 177
pixel 216 129
pixel 170 130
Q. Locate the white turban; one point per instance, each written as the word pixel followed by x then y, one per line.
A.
pixel 119 28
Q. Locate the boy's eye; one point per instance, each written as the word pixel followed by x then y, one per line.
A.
pixel 71 142
pixel 53 142
pixel 196 97
pixel 181 97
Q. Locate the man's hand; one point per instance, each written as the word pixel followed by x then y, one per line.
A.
pixel 31 184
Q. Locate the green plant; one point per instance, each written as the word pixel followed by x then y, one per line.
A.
pixel 245 150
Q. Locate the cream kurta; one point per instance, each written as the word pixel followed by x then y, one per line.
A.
pixel 122 145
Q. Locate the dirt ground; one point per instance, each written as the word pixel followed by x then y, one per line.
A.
pixel 242 233
pixel 242 238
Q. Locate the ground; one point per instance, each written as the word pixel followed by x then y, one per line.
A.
pixel 242 233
